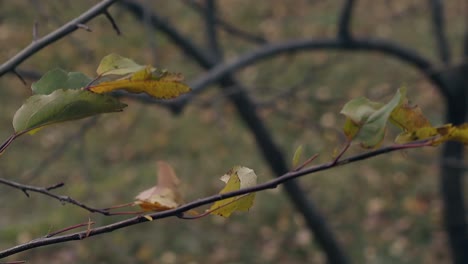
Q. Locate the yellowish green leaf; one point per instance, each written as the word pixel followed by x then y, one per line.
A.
pixel 418 134
pixel 237 178
pixel 409 118
pixel 297 156
pixel 438 135
pixel 367 120
pixel 117 65
pixel 143 81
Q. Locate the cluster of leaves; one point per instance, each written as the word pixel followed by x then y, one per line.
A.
pixel 366 122
pixel 165 195
pixel 62 96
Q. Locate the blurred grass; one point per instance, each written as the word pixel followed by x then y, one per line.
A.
pixel 384 210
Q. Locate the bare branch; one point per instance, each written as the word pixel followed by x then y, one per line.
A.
pixel 17 74
pixel 438 24
pixel 46 191
pixel 112 21
pixel 59 33
pixel 40 242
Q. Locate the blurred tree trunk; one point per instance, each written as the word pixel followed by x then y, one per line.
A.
pixel 452 171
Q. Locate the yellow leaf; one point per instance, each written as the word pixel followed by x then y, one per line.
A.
pixel 350 128
pixel 237 178
pixel 165 195
pixel 418 134
pixel 409 118
pixel 140 82
pixel 460 134
pixel 440 134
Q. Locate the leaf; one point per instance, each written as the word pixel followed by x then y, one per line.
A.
pixel 237 178
pixel 297 156
pixel 409 118
pixel 439 135
pixel 460 134
pixel 366 120
pixel 166 86
pixel 118 65
pixel 62 105
pixel 418 134
pixel 165 195
pixel 59 79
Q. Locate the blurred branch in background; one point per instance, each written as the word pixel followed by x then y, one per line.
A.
pixel 247 110
pixel 438 25
pixel 227 27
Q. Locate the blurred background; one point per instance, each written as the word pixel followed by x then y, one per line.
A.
pixel 383 210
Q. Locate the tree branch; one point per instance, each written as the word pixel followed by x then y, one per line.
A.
pixel 59 33
pixel 47 191
pixel 40 242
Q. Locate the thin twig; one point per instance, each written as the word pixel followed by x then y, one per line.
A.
pixel 113 23
pixel 59 33
pixel 46 191
pixel 16 73
pixel 89 223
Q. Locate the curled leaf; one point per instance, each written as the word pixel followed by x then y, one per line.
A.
pixel 237 178
pixel 165 86
pixel 366 121
pixel 165 195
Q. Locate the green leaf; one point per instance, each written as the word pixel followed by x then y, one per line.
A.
pixel 118 65
pixel 62 105
pixel 59 79
pixel 297 156
pixel 367 120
